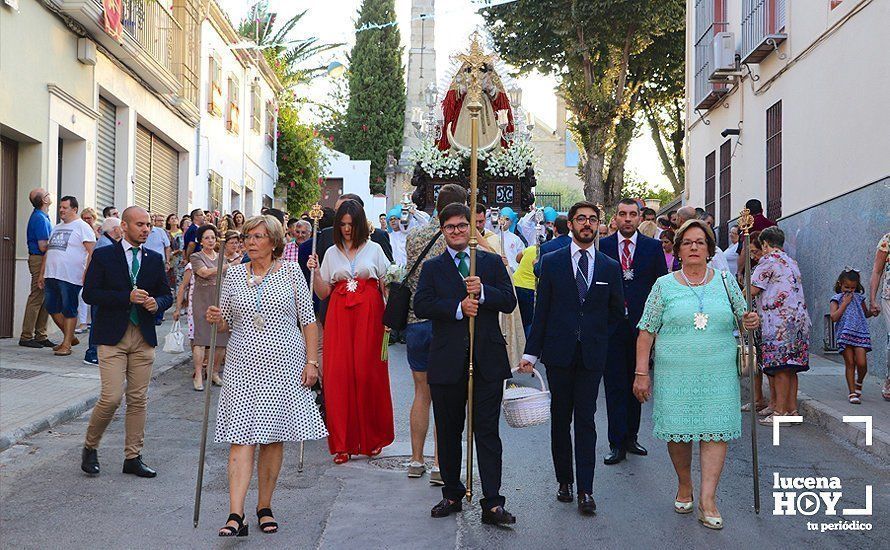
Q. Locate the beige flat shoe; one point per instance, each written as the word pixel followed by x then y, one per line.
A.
pixel 198 384
pixel 683 507
pixel 217 381
pixel 711 522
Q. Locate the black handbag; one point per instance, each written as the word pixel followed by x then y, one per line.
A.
pixel 395 316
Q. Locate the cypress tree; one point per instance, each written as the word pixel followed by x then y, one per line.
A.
pixel 376 111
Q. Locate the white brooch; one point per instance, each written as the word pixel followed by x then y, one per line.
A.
pixel 351 285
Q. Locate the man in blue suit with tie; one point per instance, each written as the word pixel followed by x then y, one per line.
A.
pixel 579 299
pixel 128 282
pixel 642 262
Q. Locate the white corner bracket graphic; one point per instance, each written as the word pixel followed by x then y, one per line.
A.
pixel 860 511
pixel 865 420
pixel 777 424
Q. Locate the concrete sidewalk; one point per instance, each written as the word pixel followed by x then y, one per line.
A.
pixel 822 396
pixel 39 390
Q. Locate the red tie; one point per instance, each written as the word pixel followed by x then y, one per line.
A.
pixel 626 259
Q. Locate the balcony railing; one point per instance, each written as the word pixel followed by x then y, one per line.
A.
pixel 763 28
pixel 188 48
pixel 707 93
pixel 153 28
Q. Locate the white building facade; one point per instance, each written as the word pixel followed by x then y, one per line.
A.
pixel 237 133
pixel 112 115
pixel 790 108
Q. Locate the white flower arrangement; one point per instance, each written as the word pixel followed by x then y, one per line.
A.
pixel 512 161
pixel 395 274
pixel 436 163
pixel 500 163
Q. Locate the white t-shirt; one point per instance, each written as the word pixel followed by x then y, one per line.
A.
pixel 397 241
pixel 512 247
pixel 66 256
pixel 369 263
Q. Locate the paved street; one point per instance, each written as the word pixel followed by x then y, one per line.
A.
pixel 48 503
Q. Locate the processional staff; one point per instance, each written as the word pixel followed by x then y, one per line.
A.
pixel 220 262
pixel 746 222
pixel 315 213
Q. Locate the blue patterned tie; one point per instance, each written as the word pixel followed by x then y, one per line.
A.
pixel 581 276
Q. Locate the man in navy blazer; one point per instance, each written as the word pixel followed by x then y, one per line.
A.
pixel 443 296
pixel 579 300
pixel 642 262
pixel 127 281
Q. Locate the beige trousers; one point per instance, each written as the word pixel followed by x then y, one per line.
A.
pixel 34 323
pixel 129 361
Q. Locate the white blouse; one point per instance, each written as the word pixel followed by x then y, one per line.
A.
pixel 369 263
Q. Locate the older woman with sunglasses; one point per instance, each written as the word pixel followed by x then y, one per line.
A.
pixel 696 393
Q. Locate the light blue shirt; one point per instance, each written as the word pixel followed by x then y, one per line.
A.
pixel 158 241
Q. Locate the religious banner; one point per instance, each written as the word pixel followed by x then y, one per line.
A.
pixel 112 18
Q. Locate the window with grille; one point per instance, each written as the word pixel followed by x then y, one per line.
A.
pixel 233 108
pixel 710 19
pixel 710 180
pixel 725 189
pixel 255 108
pixel 774 161
pixel 215 190
pixel 214 91
pixel 270 125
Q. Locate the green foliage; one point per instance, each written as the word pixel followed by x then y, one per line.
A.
pixel 301 160
pixel 375 116
pixel 592 47
pixel 570 194
pixel 637 188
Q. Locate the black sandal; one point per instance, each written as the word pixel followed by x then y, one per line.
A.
pixel 229 531
pixel 271 525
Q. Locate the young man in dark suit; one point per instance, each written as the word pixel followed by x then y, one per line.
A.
pixel 128 282
pixel 642 262
pixel 579 300
pixel 448 296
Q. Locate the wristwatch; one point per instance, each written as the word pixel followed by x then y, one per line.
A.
pixel 313 363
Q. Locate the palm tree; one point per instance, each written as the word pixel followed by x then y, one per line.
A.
pixel 292 59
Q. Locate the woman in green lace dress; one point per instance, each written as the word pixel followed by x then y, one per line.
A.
pixel 689 317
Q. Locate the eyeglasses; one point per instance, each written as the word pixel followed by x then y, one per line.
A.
pixel 699 243
pixel 254 237
pixel 452 228
pixel 586 220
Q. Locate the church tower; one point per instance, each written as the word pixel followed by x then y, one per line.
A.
pixel 421 73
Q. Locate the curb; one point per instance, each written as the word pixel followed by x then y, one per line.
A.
pixel 825 416
pixel 10 438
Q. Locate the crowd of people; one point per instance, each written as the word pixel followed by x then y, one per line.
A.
pixel 301 342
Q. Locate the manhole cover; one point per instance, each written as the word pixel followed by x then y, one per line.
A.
pixel 398 462
pixel 19 374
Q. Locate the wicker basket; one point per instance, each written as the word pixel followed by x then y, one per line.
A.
pixel 524 406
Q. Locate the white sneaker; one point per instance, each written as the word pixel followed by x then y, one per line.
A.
pixel 416 469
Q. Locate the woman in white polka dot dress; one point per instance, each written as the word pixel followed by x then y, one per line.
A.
pixel 270 367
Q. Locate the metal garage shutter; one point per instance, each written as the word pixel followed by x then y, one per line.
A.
pixel 164 178
pixel 143 167
pixel 105 148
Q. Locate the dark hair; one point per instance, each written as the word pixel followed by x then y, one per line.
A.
pixel 561 224
pixel 848 275
pixel 449 193
pixel 179 225
pixel 352 197
pixel 235 213
pixel 292 222
pixel 664 221
pixel 754 206
pixel 689 224
pixel 198 210
pixel 72 202
pixel 671 213
pixel 480 208
pixel 629 202
pixel 167 221
pixel 382 215
pixel 772 236
pixel 360 229
pixel 584 204
pixel 105 211
pixel 648 212
pixel 199 234
pixel 667 234
pixel 327 217
pixel 277 214
pixel 452 210
pixel 754 237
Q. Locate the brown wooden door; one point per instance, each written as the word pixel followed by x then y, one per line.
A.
pixel 331 191
pixel 8 189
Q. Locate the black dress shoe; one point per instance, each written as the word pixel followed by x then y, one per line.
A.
pixel 47 343
pixel 564 494
pixel 89 461
pixel 135 466
pixel 500 516
pixel 615 456
pixel 586 504
pixel 445 508
pixel 30 344
pixel 635 448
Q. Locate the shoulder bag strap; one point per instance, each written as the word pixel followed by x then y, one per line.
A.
pixel 735 319
pixel 423 254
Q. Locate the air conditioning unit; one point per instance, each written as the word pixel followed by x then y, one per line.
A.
pixel 724 54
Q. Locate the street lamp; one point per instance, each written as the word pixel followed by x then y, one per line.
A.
pixel 430 94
